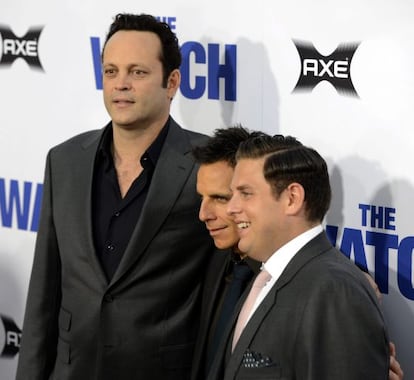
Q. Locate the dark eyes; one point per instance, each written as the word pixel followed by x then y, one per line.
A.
pixel 222 199
pixel 245 193
pixel 109 71
pixel 137 73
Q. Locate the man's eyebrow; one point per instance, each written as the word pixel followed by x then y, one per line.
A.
pixel 221 195
pixel 243 187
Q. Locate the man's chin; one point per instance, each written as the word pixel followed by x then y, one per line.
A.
pixel 220 244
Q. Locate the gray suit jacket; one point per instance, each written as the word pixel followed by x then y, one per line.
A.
pixel 320 321
pixel 143 324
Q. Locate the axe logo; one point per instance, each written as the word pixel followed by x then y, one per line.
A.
pixel 12 336
pixel 334 68
pixel 25 47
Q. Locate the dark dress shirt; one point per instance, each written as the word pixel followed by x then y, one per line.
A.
pixel 113 217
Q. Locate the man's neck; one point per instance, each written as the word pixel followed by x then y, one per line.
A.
pixel 131 144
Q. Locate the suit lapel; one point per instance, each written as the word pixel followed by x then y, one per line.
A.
pixel 173 168
pixel 249 332
pixel 220 359
pixel 216 273
pixel 84 189
pixel 313 248
pixel 219 273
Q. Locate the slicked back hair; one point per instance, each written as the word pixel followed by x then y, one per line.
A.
pixel 260 146
pixel 305 166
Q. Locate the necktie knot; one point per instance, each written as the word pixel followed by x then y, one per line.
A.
pixel 262 279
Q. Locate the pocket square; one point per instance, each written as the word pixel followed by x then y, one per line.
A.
pixel 253 359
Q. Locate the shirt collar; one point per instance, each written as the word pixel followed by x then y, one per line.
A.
pixel 154 149
pixel 277 263
pixel 152 153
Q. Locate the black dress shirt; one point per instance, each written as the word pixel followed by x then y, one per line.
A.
pixel 113 217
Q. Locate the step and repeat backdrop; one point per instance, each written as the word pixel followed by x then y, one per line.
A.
pixel 337 75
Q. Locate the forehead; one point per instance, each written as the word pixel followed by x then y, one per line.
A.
pixel 214 177
pixel 248 171
pixel 126 44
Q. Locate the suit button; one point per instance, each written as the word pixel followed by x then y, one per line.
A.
pixel 108 298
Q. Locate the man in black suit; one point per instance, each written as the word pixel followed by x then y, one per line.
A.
pixel 120 252
pixel 317 317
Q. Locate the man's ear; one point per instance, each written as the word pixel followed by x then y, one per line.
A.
pixel 173 83
pixel 295 201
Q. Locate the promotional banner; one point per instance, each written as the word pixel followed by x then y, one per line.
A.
pixel 338 76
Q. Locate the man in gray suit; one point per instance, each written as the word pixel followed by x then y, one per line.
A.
pixel 120 252
pixel 316 317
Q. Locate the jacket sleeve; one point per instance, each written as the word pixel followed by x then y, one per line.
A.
pixel 342 334
pixel 40 328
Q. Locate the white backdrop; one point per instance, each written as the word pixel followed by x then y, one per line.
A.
pixel 241 64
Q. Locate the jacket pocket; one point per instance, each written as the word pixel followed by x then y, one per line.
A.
pixel 265 373
pixel 65 319
pixel 63 351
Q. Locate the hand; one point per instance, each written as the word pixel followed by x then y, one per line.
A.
pixel 395 372
pixel 374 286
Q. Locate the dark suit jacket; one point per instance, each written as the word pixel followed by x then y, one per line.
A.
pixel 213 283
pixel 321 320
pixel 213 294
pixel 142 325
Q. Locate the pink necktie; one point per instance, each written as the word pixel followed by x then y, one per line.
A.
pixel 262 278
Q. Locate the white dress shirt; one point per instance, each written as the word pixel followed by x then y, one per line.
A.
pixel 277 263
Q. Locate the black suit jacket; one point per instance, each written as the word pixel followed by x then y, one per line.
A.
pixel 141 325
pixel 320 321
pixel 213 284
pixel 213 293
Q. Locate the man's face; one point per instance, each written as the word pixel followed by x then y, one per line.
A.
pixel 132 80
pixel 258 215
pixel 213 185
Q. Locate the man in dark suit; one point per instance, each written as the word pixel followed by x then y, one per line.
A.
pixel 217 160
pixel 230 271
pixel 120 252
pixel 317 317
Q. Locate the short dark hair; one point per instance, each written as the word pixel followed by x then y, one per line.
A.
pixel 170 56
pixel 260 146
pixel 305 166
pixel 223 145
